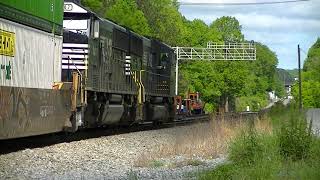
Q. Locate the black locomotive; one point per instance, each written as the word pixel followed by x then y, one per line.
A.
pixel 117 76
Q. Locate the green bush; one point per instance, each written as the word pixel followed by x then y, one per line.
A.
pixel 307 168
pixel 225 171
pixel 246 148
pixel 294 137
pixel 209 107
pixel 289 153
pixel 252 156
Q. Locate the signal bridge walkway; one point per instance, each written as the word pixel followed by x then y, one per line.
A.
pixel 215 52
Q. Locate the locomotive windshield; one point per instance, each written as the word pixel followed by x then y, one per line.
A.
pixel 76 31
pixel 79 25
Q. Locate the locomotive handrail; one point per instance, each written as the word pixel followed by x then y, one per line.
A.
pixel 75 66
pixel 81 81
pixel 143 89
pixel 140 93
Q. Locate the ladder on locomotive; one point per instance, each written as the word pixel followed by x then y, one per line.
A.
pixel 215 52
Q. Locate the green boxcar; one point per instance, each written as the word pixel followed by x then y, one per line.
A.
pixel 45 15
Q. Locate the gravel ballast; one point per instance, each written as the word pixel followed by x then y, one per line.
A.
pixel 108 157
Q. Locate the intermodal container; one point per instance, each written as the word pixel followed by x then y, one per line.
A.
pixel 42 14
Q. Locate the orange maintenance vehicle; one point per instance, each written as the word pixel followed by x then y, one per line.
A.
pixel 192 104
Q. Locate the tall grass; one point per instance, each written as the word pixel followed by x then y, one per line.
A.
pixel 294 137
pixel 205 140
pixel 289 151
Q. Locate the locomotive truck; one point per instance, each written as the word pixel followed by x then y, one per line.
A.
pixel 62 67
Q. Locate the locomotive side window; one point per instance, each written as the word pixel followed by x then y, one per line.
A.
pixel 164 60
pixel 96 29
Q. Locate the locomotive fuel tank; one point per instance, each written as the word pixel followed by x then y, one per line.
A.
pixel 158 109
pixel 113 111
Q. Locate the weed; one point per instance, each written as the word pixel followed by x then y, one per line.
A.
pixel 289 152
pixel 187 162
pixel 195 162
pixel 294 137
pixel 200 140
pixel 206 140
pixel 246 147
pixel 222 172
pixel 132 175
pixel 156 163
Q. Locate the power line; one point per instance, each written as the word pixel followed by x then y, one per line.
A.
pixel 311 58
pixel 240 4
pixel 303 51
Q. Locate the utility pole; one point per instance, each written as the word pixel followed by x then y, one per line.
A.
pixel 177 74
pixel 299 68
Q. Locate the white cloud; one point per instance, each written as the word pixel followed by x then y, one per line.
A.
pixel 269 38
pixel 270 22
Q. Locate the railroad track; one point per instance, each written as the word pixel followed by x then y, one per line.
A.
pixel 12 145
pixel 191 119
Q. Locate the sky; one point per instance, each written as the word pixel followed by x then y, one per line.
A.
pixel 279 26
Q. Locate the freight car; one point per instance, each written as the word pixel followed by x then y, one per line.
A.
pixel 30 62
pixel 90 73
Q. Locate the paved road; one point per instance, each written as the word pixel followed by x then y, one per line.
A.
pixel 311 114
pixel 286 101
pixel 314 115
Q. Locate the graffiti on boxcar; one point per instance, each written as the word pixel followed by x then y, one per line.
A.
pixel 18 100
pixel 46 106
pixel 14 110
pixel 5 107
pixel 6 71
pixel 20 109
pixel 46 111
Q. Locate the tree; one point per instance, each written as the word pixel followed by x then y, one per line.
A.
pixel 98 6
pixel 221 83
pixel 262 78
pixel 94 5
pixel 230 29
pixel 310 78
pixel 198 34
pixel 310 94
pixel 311 66
pixel 166 22
pixel 126 13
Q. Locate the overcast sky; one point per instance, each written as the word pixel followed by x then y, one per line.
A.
pixel 280 26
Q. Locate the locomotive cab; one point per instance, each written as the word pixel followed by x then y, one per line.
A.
pixel 76 32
